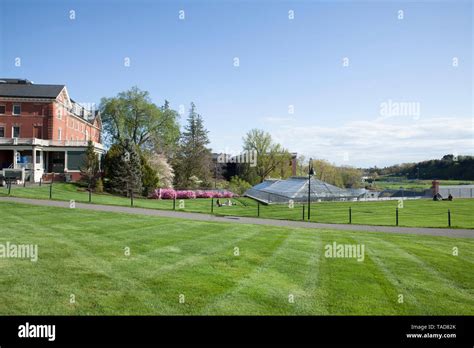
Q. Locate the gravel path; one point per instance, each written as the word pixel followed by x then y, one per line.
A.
pixel 447 232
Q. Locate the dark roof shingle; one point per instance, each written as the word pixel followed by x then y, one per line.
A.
pixel 11 88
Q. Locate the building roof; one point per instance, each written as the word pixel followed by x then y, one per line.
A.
pixel 22 88
pixel 296 188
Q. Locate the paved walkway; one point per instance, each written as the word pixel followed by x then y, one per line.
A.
pixel 447 232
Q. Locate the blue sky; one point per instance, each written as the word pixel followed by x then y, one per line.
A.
pixel 284 63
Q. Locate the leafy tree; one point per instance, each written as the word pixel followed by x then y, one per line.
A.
pixel 344 176
pixel 90 169
pixel 238 185
pixel 163 169
pixel 132 116
pixel 193 161
pixel 449 167
pixel 166 139
pixel 270 156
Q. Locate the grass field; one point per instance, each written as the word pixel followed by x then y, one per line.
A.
pixel 415 213
pixel 81 253
pixel 415 184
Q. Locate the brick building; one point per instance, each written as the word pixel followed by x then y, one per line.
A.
pixel 44 131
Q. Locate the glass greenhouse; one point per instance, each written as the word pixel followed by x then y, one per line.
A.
pixel 296 189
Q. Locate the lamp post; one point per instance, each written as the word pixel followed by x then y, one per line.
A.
pixel 310 174
pixel 215 176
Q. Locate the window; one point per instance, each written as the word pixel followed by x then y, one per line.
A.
pixel 2 132
pixel 60 115
pixel 16 131
pixel 59 133
pixel 16 109
pixel 2 109
pixel 38 157
pixel 75 160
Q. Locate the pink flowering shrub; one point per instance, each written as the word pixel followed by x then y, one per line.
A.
pixel 155 194
pixel 185 194
pixel 163 194
pixel 189 194
pixel 204 194
pixel 227 194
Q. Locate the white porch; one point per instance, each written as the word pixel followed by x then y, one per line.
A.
pixel 35 160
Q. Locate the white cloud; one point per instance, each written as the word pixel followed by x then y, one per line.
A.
pixel 381 141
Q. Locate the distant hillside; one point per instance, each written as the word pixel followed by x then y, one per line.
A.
pixel 447 168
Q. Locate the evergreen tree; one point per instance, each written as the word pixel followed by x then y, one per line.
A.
pixel 193 158
pixel 123 169
pixel 90 169
pixel 150 179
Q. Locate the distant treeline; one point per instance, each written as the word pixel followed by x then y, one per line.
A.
pixel 450 167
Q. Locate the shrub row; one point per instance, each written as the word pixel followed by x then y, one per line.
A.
pixel 189 194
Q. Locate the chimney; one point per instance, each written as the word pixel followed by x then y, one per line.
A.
pixel 435 187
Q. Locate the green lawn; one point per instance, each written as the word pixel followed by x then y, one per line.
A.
pixel 415 213
pixel 416 184
pixel 81 252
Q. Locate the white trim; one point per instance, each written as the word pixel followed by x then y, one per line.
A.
pixel 32 100
pixel 13 133
pixel 68 100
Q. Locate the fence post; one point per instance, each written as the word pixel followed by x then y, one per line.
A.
pixel 90 195
pixel 258 209
pixel 449 217
pixel 51 188
pixel 9 184
pixel 212 205
pixel 303 213
pixel 174 203
pixel 350 215
pixel 131 198
pixel 41 179
pixel 24 183
pixel 396 216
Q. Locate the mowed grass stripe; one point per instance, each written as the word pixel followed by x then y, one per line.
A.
pixel 423 281
pixel 409 303
pixel 81 254
pixel 355 286
pixel 260 253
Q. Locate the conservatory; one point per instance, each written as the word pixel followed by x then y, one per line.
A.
pixel 296 189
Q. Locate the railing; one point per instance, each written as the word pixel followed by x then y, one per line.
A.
pixel 45 142
pixel 24 166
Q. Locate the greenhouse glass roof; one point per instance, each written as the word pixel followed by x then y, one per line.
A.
pixel 296 189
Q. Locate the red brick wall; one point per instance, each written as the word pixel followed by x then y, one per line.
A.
pixel 45 115
pixel 32 114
